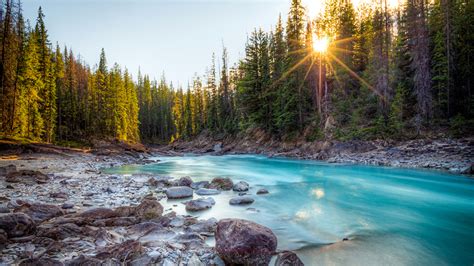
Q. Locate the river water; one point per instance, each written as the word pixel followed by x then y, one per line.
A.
pixel 390 216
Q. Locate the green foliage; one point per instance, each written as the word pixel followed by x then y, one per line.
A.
pixel 385 74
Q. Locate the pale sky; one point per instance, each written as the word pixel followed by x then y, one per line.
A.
pixel 175 37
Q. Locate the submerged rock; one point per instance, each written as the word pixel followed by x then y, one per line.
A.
pixel 27 177
pixel 221 183
pixel 241 200
pixel 262 191
pixel 17 224
pixel 179 192
pixel 288 258
pixel 199 185
pixel 207 191
pixel 200 204
pixel 244 242
pixel 241 186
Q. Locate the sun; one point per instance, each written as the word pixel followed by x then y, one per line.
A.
pixel 321 45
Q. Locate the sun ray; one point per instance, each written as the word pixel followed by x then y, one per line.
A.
pixel 357 76
pixel 293 68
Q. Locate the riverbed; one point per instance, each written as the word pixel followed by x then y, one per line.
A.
pixel 340 214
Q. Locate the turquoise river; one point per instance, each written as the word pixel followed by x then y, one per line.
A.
pixel 390 216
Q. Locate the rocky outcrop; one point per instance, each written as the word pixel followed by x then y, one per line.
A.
pixel 244 242
pixel 241 186
pixel 221 183
pixel 241 200
pixel 179 192
pixel 40 212
pixel 17 224
pixel 288 258
pixel 27 177
pixel 200 204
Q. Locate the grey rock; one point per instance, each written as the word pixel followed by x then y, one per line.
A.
pixel 179 192
pixel 67 206
pixel 200 204
pixel 185 181
pixel 262 191
pixel 207 191
pixel 241 200
pixel 241 186
pixel 200 184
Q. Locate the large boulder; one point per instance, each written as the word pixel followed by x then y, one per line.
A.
pixel 241 186
pixel 221 183
pixel 207 191
pixel 244 242
pixel 200 204
pixel 27 177
pixel 17 224
pixel 241 200
pixel 40 212
pixel 148 209
pixel 179 192
pixel 288 258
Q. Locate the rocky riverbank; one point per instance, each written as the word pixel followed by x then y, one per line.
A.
pixel 453 155
pixel 58 208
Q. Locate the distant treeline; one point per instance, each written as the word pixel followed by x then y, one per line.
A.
pixel 388 73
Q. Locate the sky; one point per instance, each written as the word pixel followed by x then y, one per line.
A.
pixel 174 37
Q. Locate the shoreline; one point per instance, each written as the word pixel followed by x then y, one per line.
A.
pixel 455 156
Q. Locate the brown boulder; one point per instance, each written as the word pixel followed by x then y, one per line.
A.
pixel 148 209
pixel 27 176
pixel 288 258
pixel 59 232
pixel 17 224
pixel 125 251
pixel 40 212
pixel 221 183
pixel 244 242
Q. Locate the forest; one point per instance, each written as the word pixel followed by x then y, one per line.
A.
pixel 375 72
